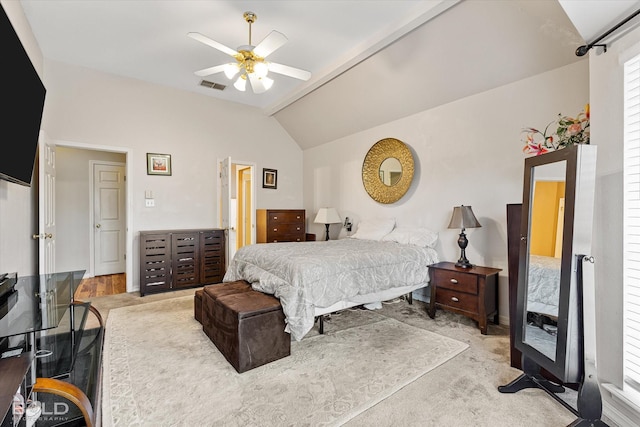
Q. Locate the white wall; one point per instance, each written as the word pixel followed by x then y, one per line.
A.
pixel 606 88
pixel 88 107
pixel 466 152
pixel 18 204
pixel 74 224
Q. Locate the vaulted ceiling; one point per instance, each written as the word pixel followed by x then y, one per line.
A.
pixel 371 61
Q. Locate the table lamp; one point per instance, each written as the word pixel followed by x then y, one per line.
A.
pixel 463 217
pixel 327 216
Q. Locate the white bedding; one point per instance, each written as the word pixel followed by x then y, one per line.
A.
pixel 543 294
pixel 308 277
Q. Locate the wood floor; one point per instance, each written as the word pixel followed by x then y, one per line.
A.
pixel 101 285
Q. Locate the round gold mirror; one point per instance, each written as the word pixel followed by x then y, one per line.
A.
pixel 387 170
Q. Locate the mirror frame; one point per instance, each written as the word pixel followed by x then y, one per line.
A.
pixel 378 153
pixel 576 239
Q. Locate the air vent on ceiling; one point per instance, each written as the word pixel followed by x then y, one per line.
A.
pixel 212 85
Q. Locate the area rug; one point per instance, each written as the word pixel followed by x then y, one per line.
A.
pixel 161 370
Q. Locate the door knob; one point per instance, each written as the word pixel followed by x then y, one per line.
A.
pixel 98 226
pixel 42 236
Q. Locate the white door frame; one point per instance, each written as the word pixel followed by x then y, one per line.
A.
pixel 128 204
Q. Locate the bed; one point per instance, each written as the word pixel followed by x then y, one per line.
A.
pixel 544 285
pixel 316 278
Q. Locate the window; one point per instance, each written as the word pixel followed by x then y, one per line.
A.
pixel 631 235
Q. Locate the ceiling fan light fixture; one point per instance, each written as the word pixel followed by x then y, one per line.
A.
pixel 231 69
pixel 241 83
pixel 250 60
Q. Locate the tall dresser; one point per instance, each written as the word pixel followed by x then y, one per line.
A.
pixel 280 225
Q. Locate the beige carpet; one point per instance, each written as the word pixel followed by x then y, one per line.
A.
pixel 160 370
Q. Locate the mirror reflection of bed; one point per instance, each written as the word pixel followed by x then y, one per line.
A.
pixel 545 251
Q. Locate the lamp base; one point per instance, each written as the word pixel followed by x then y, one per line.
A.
pixel 464 263
pixel 327 232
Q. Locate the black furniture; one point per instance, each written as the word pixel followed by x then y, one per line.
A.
pixel 554 324
pixel 179 259
pixel 52 353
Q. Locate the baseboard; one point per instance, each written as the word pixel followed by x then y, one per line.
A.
pixel 615 407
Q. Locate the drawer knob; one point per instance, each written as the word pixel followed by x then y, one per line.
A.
pixel 275 229
pixel 454 299
pixel 275 217
pixel 454 281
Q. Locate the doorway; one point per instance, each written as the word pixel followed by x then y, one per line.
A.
pixel 237 204
pixel 75 209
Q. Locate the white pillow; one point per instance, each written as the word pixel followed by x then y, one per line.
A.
pixel 374 229
pixel 413 236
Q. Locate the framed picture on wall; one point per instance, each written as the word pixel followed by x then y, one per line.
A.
pixel 158 164
pixel 269 178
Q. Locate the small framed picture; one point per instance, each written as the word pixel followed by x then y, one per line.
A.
pixel 269 178
pixel 158 164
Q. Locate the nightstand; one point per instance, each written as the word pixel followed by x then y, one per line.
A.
pixel 472 292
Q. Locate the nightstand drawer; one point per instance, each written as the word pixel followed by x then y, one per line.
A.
pixel 459 300
pixel 454 280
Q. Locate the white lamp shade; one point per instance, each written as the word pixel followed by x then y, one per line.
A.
pixel 231 69
pixel 267 82
pixel 240 84
pixel 327 216
pixel 261 69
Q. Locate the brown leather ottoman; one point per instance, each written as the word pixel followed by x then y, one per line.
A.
pixel 197 305
pixel 213 292
pixel 248 329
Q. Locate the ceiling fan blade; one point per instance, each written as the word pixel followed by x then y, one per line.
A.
pixel 210 70
pixel 296 73
pixel 258 84
pixel 270 43
pixel 214 44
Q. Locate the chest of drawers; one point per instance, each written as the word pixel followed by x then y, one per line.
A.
pixel 280 225
pixel 472 292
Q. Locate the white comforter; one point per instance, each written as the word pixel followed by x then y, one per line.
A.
pixel 305 275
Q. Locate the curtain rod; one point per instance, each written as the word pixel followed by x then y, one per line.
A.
pixel 582 50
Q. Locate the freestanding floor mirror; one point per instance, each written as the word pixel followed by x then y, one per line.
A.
pixel 555 312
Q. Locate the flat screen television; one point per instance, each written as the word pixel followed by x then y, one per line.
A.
pixel 21 104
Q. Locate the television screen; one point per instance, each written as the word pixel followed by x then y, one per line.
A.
pixel 21 103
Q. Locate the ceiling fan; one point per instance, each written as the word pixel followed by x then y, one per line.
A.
pixel 250 60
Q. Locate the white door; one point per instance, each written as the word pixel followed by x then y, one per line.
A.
pixel 225 207
pixel 109 218
pixel 46 205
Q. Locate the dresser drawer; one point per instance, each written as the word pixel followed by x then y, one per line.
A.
pixel 282 229
pixel 285 217
pixel 456 299
pixel 457 281
pixel 277 238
